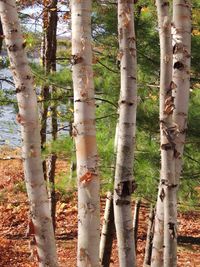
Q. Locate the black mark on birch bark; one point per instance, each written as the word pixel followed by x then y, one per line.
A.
pixel 173 85
pixel 165 4
pixel 167 146
pixel 12 48
pixel 176 48
pixel 24 44
pixel 176 154
pixel 172 230
pixel 20 89
pixel 120 202
pixel 125 188
pixel 76 59
pixel 28 77
pixel 167 184
pixel 13 30
pixel 129 103
pixel 162 194
pixel 178 65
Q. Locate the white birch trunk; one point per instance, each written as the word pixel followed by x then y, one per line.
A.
pixel 124 183
pixel 181 72
pixel 181 79
pixel 31 150
pixel 166 133
pixel 85 136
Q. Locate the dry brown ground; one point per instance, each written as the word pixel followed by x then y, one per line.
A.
pixel 14 250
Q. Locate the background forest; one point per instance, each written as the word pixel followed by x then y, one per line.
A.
pixel 56 103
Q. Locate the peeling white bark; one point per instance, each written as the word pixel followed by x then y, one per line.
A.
pixel 173 128
pixel 166 134
pixel 181 72
pixel 181 79
pixel 85 136
pixel 29 120
pixel 124 183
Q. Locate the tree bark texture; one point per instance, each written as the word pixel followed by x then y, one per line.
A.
pixel 167 133
pixel 52 191
pixel 84 133
pixel 181 73
pixel 181 82
pixel 149 240
pixel 124 182
pixel 1 36
pixel 49 58
pixel 31 150
pixel 108 232
pixel 50 19
pixel 136 221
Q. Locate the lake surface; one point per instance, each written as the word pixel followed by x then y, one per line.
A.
pixel 9 128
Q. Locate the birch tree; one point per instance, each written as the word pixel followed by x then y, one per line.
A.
pixel 173 130
pixel 124 183
pixel 181 80
pixel 181 73
pixel 31 150
pixel 85 136
pixel 166 129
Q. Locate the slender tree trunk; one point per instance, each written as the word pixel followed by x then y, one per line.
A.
pixel 124 183
pixel 52 191
pixel 149 240
pixel 108 232
pixel 49 63
pixel 72 174
pixel 52 32
pixel 31 150
pixel 45 95
pixel 44 110
pixel 49 46
pixel 136 221
pixel 181 72
pixel 181 80
pixel 1 36
pixel 167 131
pixel 85 136
pixel 158 238
pixel 108 229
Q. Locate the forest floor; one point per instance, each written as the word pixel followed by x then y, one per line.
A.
pixel 14 245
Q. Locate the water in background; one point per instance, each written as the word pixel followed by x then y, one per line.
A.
pixel 9 129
